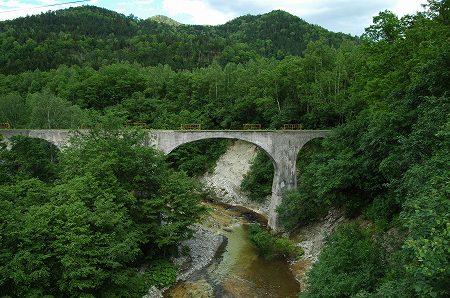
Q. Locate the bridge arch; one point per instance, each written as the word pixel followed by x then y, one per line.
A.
pixel 168 151
pixel 58 137
pixel 310 143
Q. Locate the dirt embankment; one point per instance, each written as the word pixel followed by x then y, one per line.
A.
pixel 225 181
pixel 312 238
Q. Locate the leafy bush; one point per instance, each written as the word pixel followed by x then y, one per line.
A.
pixel 272 247
pixel 381 211
pixel 258 181
pixel 161 273
pixel 297 208
pixel 348 264
pixel 198 157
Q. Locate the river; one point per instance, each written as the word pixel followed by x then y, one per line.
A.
pixel 237 271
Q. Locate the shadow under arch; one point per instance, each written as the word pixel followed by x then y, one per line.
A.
pixel 309 149
pixel 33 156
pixel 260 147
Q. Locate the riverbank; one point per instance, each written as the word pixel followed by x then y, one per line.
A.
pixel 311 239
pixel 201 250
pixel 237 270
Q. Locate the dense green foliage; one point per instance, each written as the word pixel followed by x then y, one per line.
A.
pixel 263 91
pixel 350 263
pixel 258 181
pixel 273 247
pixel 96 37
pixel 251 71
pixel 198 157
pixel 79 223
pixel 390 161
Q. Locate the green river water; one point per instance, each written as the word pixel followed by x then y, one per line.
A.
pixel 238 271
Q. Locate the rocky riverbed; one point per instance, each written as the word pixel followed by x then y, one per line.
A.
pixel 209 237
pixel 202 248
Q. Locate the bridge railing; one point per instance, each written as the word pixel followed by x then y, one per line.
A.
pixel 191 126
pixel 251 126
pixel 292 126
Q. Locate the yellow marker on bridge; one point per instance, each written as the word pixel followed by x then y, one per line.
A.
pixel 292 126
pixel 190 126
pixel 5 125
pixel 251 126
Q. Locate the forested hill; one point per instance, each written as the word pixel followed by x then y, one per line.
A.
pixel 96 36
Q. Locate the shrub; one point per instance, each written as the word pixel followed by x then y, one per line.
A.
pixel 258 181
pixel 272 247
pixel 349 263
pixel 297 208
pixel 162 273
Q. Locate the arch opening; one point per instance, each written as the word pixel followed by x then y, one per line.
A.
pixel 259 166
pixel 197 157
pixel 29 157
pixel 306 153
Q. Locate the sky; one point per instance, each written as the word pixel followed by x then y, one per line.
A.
pixel 348 16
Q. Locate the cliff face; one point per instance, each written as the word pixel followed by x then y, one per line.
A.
pixel 227 176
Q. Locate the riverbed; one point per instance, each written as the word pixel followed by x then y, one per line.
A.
pixel 237 270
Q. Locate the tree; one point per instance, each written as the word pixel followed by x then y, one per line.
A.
pixel 348 265
pixel 49 111
pixel 13 110
pixel 29 158
pixel 387 27
pixel 115 204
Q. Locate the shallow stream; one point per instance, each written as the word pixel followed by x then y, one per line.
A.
pixel 237 271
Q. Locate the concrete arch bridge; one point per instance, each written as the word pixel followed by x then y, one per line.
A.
pixel 282 146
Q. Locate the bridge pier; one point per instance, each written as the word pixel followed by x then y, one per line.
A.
pixel 284 179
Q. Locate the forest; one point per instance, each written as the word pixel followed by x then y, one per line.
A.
pixel 385 95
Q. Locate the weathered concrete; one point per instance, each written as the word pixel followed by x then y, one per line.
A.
pixel 58 137
pixel 281 146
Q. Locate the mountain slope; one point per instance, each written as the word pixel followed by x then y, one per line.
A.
pixel 96 36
